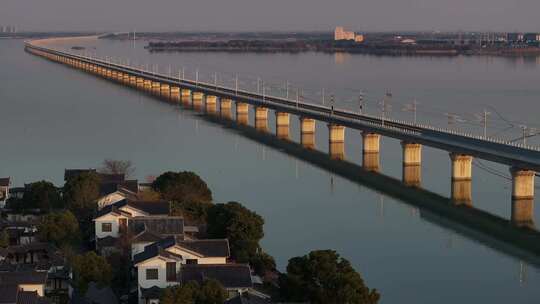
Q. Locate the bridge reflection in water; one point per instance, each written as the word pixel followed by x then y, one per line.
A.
pixel 516 237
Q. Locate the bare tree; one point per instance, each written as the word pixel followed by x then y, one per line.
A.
pixel 112 166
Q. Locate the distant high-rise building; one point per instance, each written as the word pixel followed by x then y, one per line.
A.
pixel 341 34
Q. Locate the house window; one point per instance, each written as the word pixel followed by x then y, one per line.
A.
pixel 171 271
pixel 152 274
pixel 106 227
pixel 192 261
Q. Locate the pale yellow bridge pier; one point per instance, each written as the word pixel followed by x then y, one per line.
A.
pixel 522 197
pixel 336 141
pixel 261 119
pixel 370 151
pixel 211 104
pixel 242 113
pixel 225 108
pixel 307 133
pixel 461 179
pixel 282 125
pixel 412 164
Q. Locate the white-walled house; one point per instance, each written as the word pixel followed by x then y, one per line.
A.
pixel 160 264
pixel 146 230
pixel 112 219
pixel 5 183
pixel 116 196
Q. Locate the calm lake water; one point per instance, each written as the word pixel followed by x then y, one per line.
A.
pixel 53 117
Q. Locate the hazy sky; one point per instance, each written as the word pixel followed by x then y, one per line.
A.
pixel 240 15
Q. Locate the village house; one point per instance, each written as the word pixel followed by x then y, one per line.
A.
pixel 19 233
pixel 39 259
pixel 13 294
pixel 113 187
pixel 172 261
pixel 5 182
pixel 31 281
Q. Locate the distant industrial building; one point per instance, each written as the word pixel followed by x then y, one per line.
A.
pixel 8 29
pixel 531 37
pixel 341 34
pixel 514 37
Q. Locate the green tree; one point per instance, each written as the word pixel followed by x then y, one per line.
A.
pixel 90 267
pixel 112 166
pixel 60 228
pixel 182 187
pixel 43 195
pixel 194 211
pixel 4 239
pixel 324 277
pixel 262 262
pixel 210 292
pixel 81 194
pixel 243 228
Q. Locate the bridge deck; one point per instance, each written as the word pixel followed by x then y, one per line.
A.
pixel 496 150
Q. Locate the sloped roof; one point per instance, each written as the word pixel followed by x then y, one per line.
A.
pixel 146 237
pixel 247 298
pixel 160 225
pixel 4 181
pixel 231 276
pixel 151 252
pixel 72 173
pixel 8 293
pixel 108 187
pixel 152 208
pixel 205 248
pixel 24 277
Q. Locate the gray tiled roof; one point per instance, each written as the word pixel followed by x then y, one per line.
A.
pixel 247 298
pixel 151 208
pixel 71 173
pixel 231 276
pixel 4 181
pixel 206 247
pixel 8 293
pixel 160 225
pixel 24 277
pixel 153 251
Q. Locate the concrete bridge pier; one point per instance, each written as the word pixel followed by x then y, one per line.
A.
pixel 198 99
pixel 336 141
pixel 282 125
pixel 175 94
pixel 370 151
pixel 307 133
pixel 225 108
pixel 133 81
pixel 108 73
pixel 461 179
pixel 127 80
pixel 412 164
pixel 165 91
pixel 140 83
pixel 211 104
pixel 261 119
pixel 522 214
pixel 148 85
pixel 242 113
pixel 156 88
pixel 185 96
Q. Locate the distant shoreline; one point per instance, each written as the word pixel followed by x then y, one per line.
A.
pixel 329 49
